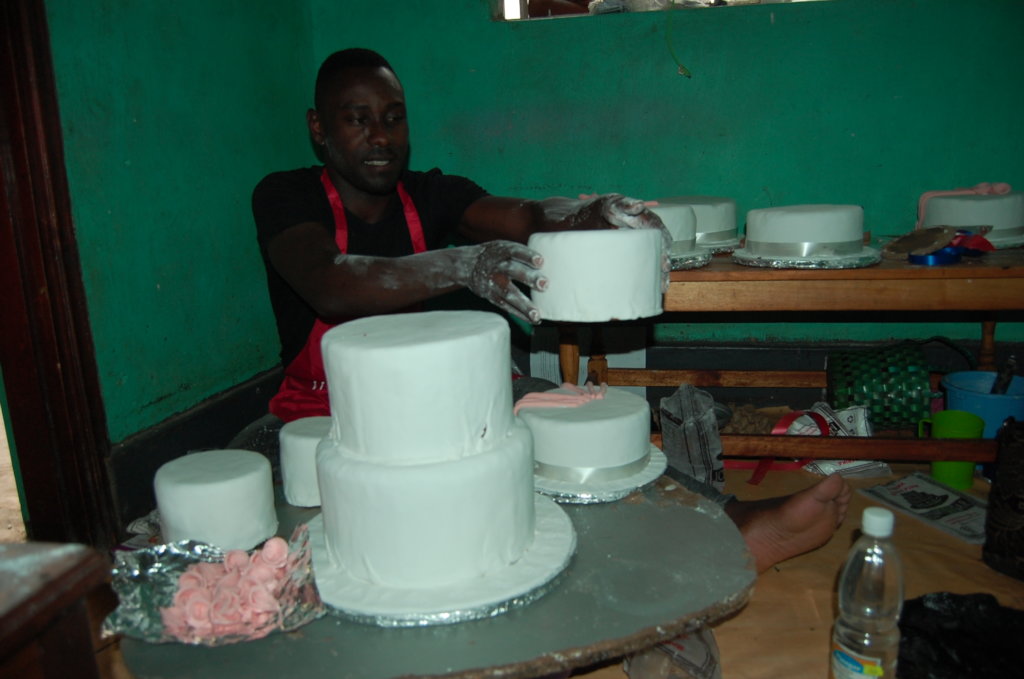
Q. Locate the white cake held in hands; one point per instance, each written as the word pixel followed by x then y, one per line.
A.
pixel 599 275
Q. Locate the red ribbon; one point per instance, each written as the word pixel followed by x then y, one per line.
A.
pixel 781 427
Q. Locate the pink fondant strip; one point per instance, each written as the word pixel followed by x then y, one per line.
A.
pixel 547 399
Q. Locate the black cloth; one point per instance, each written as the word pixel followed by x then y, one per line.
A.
pixel 284 199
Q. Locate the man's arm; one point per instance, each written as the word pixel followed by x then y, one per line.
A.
pixel 517 219
pixel 338 285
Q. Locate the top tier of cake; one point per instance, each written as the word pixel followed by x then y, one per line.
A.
pixel 806 224
pixel 433 419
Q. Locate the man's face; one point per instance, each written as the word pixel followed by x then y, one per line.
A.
pixel 363 130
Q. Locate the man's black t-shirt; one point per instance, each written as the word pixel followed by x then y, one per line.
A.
pixel 284 199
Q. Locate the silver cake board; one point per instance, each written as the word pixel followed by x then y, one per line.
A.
pixel 648 568
pixel 594 492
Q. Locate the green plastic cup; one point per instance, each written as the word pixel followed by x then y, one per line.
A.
pixel 952 424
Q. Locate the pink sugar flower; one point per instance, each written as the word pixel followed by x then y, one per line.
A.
pixel 275 552
pixel 210 571
pixel 236 560
pixel 197 615
pixel 226 608
pixel 173 619
pixel 184 595
pixel 191 579
pixel 228 582
pixel 260 572
pixel 262 601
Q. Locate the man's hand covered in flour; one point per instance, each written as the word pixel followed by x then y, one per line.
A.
pixel 621 212
pixel 490 270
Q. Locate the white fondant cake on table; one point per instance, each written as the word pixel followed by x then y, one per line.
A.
pixel 1003 212
pixel 299 440
pixel 426 477
pixel 220 497
pixel 806 236
pixel 681 222
pixel 590 445
pixel 599 275
pixel 716 220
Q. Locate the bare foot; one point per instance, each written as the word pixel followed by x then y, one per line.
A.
pixel 783 527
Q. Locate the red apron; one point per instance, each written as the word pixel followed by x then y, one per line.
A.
pixel 303 392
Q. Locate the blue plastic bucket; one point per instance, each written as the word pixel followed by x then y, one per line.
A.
pixel 970 391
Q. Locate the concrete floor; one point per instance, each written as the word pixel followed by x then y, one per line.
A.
pixel 12 528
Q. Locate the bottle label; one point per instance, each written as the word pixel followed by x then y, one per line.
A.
pixel 847 664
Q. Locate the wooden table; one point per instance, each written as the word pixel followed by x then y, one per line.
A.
pixel 45 627
pixel 786 628
pixel 988 284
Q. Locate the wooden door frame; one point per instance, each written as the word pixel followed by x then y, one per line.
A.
pixel 58 424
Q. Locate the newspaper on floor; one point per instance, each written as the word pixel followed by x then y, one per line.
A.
pixel 936 504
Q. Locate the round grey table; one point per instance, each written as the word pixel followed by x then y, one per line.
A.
pixel 656 564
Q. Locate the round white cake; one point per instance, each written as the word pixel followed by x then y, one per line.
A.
pixel 1004 213
pixel 603 438
pixel 220 497
pixel 805 230
pixel 715 219
pixel 299 440
pixel 681 222
pixel 600 275
pixel 426 478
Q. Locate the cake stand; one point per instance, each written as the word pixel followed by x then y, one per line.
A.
pixel 648 568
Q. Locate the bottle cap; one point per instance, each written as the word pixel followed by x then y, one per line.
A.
pixel 877 522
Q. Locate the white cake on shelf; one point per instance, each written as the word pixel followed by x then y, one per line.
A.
pixel 426 477
pixel 599 275
pixel 602 438
pixel 824 236
pixel 299 440
pixel 715 218
pixel 221 497
pixel 1003 212
pixel 681 222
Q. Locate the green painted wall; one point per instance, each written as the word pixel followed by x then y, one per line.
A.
pixel 172 112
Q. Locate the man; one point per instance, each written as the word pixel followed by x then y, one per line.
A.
pixel 365 235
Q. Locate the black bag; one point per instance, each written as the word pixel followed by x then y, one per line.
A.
pixel 1004 520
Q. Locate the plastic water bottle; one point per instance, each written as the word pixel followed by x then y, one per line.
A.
pixel 866 636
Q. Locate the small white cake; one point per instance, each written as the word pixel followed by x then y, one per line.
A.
pixel 299 440
pixel 603 438
pixel 220 497
pixel 1004 213
pixel 600 275
pixel 715 220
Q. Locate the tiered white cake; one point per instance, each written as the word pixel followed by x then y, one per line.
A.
pixel 599 275
pixel 1003 212
pixel 426 478
pixel 220 497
